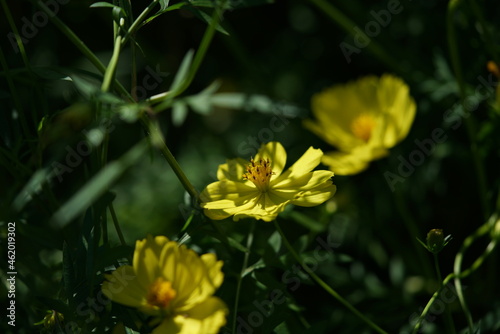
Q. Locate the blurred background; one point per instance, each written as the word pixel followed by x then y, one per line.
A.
pixel 277 55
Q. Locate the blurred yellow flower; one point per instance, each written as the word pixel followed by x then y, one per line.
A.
pixel 363 119
pixel 258 188
pixel 173 284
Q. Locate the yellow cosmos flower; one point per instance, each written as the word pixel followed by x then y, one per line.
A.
pixel 173 284
pixel 258 188
pixel 363 119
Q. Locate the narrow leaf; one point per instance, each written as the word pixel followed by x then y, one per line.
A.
pixel 97 186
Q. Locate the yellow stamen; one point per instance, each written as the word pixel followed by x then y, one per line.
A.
pixel 161 293
pixel 362 126
pixel 259 173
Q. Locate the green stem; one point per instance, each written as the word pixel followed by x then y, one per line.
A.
pixel 111 69
pixel 80 46
pixel 116 224
pixel 198 58
pixel 457 268
pixel 325 286
pixel 158 141
pixel 345 23
pixel 240 277
pixel 10 82
pixel 137 23
pixel 431 301
pixel 457 275
pixel 469 120
pixel 448 319
pixel 19 41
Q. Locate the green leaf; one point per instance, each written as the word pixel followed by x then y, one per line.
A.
pixel 173 7
pixel 183 72
pixel 275 242
pixel 102 4
pixel 116 9
pixel 257 265
pixel 260 103
pixel 179 113
pixel 97 186
pixel 32 187
pixel 164 4
pixel 130 113
pixel 235 244
pixel 200 102
pixel 208 19
pixel 86 88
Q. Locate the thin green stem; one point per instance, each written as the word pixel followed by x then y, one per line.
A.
pixel 457 275
pixel 469 120
pixel 348 25
pixel 138 21
pixel 324 285
pixel 457 268
pixel 240 277
pixel 158 141
pixel 111 69
pixel 198 58
pixel 448 318
pixel 19 42
pixel 12 87
pixel 430 302
pixel 116 224
pixel 80 46
pixel 104 221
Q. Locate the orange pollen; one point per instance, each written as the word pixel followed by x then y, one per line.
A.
pixel 362 126
pixel 259 173
pixel 161 293
pixel 493 68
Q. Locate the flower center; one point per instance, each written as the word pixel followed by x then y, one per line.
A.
pixel 161 293
pixel 259 173
pixel 362 126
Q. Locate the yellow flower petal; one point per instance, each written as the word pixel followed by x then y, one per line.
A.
pixel 370 115
pixel 316 196
pixel 181 289
pixel 352 163
pixel 230 190
pixel 401 108
pixel 214 268
pixel 146 256
pixel 232 170
pixel 303 182
pixel 205 318
pixel 123 287
pixel 241 200
pixel 275 152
